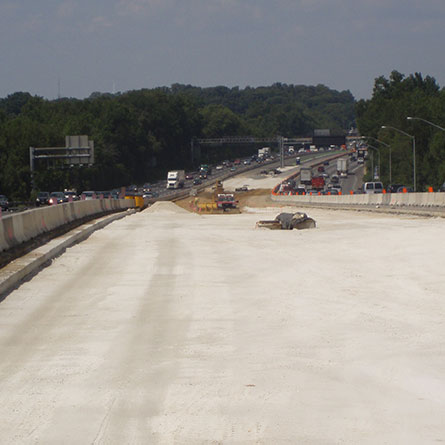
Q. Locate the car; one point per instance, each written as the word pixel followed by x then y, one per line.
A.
pixel 336 187
pixel 71 195
pixel 88 195
pixel 219 167
pixel 321 169
pixel 247 162
pixel 392 188
pixel 333 191
pixel 197 181
pixel 442 188
pixel 326 163
pixel 232 169
pixel 334 179
pixel 103 194
pixel 202 175
pixel 372 187
pixel 4 203
pixel 405 189
pixel 147 187
pixel 244 188
pixel 189 177
pixel 42 198
pixel 56 198
pixel 297 160
pixel 301 190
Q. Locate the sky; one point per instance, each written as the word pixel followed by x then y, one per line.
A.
pixel 77 47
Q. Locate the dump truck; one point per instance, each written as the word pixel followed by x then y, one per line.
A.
pixel 175 179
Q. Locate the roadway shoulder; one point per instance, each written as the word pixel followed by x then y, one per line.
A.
pixel 20 269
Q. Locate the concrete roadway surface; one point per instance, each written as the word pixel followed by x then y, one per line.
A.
pixel 171 327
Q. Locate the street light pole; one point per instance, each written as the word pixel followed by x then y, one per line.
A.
pixel 424 120
pixel 386 145
pixel 414 150
pixel 378 152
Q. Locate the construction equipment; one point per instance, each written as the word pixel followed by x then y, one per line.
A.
pixel 288 221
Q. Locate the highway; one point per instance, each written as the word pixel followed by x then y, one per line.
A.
pixel 170 327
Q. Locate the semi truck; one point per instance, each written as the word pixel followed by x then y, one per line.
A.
pixel 264 152
pixel 306 175
pixel 175 179
pixel 342 167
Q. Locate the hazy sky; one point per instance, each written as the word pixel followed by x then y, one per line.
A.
pixel 120 45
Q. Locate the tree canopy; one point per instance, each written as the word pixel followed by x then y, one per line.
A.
pixel 141 134
pixel 394 100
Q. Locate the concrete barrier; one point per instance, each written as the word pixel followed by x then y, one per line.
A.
pixel 17 228
pixel 426 199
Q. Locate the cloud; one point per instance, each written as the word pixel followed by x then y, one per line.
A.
pixel 101 22
pixel 65 10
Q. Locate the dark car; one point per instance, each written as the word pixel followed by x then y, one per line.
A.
pixel 71 196
pixel 442 188
pixel 56 198
pixel 42 199
pixel 197 181
pixel 404 189
pixel 4 203
pixel 393 188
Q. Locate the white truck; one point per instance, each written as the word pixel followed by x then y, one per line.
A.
pixel 264 152
pixel 175 179
pixel 342 167
pixel 306 175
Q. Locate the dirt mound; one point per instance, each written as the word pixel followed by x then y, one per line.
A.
pixel 165 207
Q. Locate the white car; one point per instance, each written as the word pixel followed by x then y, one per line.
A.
pixel 219 167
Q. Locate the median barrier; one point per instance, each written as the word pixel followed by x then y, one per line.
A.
pixel 424 199
pixel 17 228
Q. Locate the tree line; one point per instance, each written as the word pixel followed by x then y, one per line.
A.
pixel 393 100
pixel 139 135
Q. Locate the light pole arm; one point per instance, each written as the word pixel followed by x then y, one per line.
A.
pixel 400 131
pixel 424 120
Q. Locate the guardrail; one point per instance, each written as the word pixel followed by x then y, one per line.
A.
pixel 17 228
